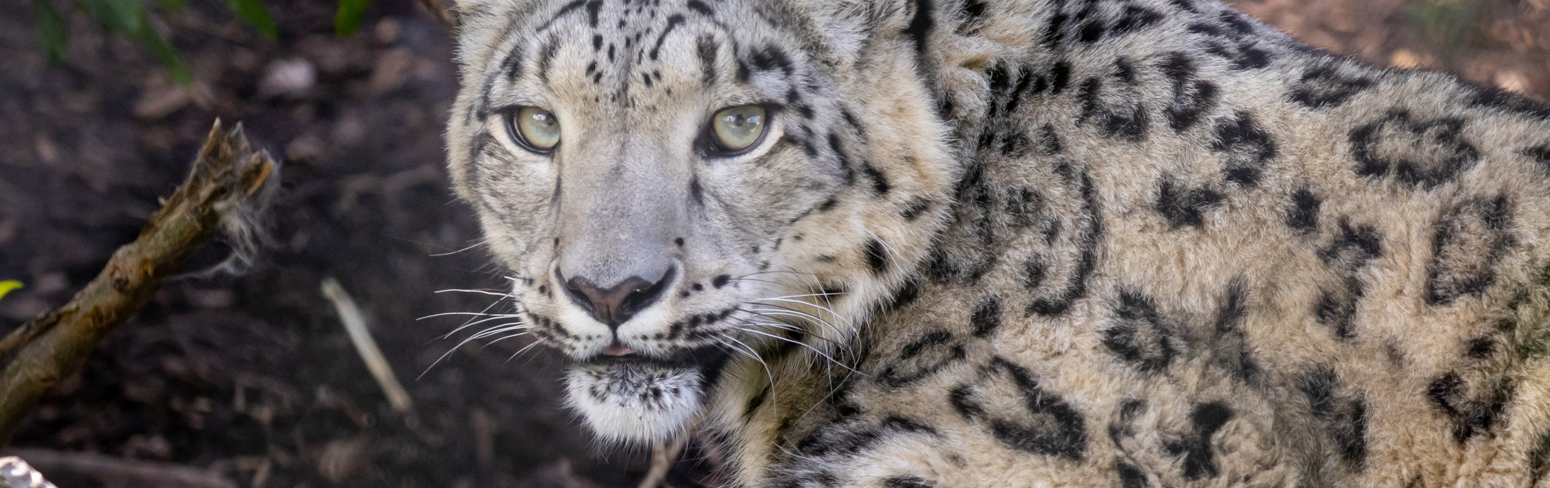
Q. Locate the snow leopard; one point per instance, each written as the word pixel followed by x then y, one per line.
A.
pixel 977 243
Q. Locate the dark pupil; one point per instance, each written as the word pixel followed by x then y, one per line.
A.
pixel 542 120
pixel 740 121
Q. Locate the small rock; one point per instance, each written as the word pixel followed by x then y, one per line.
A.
pixel 288 78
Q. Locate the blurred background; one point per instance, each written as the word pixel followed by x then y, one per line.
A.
pixel 252 378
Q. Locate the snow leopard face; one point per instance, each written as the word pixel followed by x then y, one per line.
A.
pixel 675 185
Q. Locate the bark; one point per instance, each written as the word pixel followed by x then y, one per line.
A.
pixel 224 193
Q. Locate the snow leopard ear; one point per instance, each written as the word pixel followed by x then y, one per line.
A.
pixel 851 26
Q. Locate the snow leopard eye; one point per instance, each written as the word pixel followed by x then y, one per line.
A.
pixel 736 129
pixel 534 129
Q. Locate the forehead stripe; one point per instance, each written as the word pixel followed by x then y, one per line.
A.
pixel 672 23
pixel 567 9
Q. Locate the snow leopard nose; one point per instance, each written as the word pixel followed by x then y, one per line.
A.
pixel 616 304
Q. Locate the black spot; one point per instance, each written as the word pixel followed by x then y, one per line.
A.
pixel 1087 261
pixel 1346 256
pixel 1470 239
pixel 907 481
pixel 1060 77
pixel 1184 207
pixel 1237 21
pixel 1130 476
pixel 1135 19
pixel 1325 86
pixel 922 358
pixel 904 424
pixel 906 294
pixel 1540 458
pixel 696 191
pixel 1343 417
pixel 835 440
pixel 986 317
pixel 965 406
pixel 1199 461
pixel 1191 98
pixel 1481 347
pixel 1251 58
pixel 1539 154
pixel 1033 274
pixel 1058 430
pixel 838 147
pixel 1304 214
pixel 512 65
pixel 1231 349
pixel 770 57
pixel 1504 100
pixel 1421 153
pixel 568 8
pixel 1125 122
pixel 1337 309
pixel 1247 148
pixel 879 180
pixel 1054 31
pixel 1090 32
pixel 974 9
pixel 545 58
pixel 915 208
pixel 876 257
pixel 720 281
pixel 1138 335
pixel 1471 414
pixel 919 28
pixel 672 22
pixel 592 8
pixel 701 8
pixel 755 402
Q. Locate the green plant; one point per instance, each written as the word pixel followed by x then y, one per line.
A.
pixel 1448 26
pixel 9 286
pixel 136 20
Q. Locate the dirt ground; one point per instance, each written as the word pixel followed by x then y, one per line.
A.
pixel 252 377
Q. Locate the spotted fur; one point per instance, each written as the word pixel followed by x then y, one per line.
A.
pixel 1120 243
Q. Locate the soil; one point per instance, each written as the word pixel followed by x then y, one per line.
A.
pixel 252 376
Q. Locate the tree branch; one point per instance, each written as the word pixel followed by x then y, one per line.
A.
pixel 224 193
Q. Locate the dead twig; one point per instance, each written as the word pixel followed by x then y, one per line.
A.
pixel 441 14
pixel 663 455
pixel 355 324
pixel 225 193
pixel 119 470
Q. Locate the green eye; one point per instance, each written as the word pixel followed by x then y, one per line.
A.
pixel 738 128
pixel 533 128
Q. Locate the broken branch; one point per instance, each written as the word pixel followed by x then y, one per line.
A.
pixel 224 193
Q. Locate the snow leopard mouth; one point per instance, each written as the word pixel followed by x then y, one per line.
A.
pixel 633 397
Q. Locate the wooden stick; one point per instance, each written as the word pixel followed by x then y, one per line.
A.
pixel 120 470
pixel 217 197
pixel 663 455
pixel 355 325
pixel 440 13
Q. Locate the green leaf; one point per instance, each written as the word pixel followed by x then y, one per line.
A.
pixel 173 5
pixel 254 13
pixel 349 17
pixel 9 286
pixel 163 50
pixel 51 28
pixel 122 16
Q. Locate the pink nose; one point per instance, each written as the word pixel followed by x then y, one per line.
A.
pixel 616 304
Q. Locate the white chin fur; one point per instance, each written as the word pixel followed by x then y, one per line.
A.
pixel 633 402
